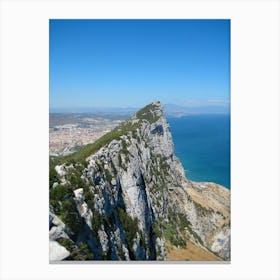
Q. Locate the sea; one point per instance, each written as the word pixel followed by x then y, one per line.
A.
pixel 202 143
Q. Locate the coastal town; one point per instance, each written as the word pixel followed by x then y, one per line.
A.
pixel 68 132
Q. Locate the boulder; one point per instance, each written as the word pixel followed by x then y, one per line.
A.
pixel 57 252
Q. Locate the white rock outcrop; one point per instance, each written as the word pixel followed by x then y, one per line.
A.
pixel 57 252
pixel 137 189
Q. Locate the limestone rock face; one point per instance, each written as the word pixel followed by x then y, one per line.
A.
pixel 132 196
pixel 57 252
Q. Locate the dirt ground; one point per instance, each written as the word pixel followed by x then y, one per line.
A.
pixel 192 253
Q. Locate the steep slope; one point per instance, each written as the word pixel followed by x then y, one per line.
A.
pixel 126 196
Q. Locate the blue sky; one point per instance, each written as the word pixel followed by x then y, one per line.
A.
pixel 130 63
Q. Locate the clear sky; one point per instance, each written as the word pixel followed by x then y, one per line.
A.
pixel 130 63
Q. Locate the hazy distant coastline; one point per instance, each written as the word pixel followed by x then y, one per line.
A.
pixel 171 110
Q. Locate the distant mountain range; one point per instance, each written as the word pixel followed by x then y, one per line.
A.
pixel 171 110
pixel 117 110
pixel 177 111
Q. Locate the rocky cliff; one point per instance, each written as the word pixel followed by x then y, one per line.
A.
pixel 126 197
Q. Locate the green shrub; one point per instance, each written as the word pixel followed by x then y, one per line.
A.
pixel 146 114
pixel 170 233
pixel 53 176
pixel 68 244
pixel 56 206
pixel 183 222
pixel 130 226
pixel 96 223
pixel 108 175
pixel 156 230
pixel 74 177
pixel 82 253
pixel 70 215
pixel 120 253
pixel 142 241
pixel 89 197
pixel 59 192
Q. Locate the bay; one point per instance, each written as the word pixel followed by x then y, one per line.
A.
pixel 202 143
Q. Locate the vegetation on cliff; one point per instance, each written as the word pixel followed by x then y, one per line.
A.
pixel 125 196
pixel 145 114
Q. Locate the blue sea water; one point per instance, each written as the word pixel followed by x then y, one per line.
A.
pixel 202 143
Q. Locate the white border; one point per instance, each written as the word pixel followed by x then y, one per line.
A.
pixel 255 137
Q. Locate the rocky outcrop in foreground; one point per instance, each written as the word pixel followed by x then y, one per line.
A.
pixel 126 197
